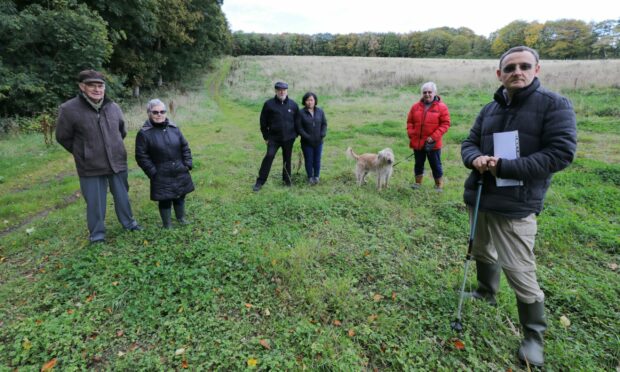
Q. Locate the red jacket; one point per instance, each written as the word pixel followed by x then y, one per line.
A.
pixel 433 123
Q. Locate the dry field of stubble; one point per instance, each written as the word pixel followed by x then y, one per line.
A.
pixel 337 75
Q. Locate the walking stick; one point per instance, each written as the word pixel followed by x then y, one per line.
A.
pixel 457 325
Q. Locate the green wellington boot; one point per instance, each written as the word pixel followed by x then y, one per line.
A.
pixel 532 318
pixel 488 282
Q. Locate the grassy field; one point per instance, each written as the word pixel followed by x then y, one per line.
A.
pixel 331 277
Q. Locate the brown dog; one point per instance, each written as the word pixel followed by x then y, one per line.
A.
pixel 381 163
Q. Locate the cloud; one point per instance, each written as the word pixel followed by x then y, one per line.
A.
pixel 401 16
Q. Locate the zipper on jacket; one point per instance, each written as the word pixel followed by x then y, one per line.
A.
pixel 101 130
pixel 423 122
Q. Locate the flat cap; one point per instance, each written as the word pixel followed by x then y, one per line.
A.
pixel 91 76
pixel 281 85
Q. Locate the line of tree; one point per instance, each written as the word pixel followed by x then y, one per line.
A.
pixel 145 43
pixel 561 39
pixel 138 43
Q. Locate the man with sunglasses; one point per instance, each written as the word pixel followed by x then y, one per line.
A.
pixel 545 139
pixel 91 127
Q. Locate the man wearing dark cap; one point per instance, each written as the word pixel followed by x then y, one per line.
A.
pixel 277 124
pixel 92 127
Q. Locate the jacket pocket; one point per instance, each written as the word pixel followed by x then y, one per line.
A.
pixel 94 157
pixel 164 169
pixel 180 167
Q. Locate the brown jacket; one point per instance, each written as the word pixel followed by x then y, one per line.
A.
pixel 94 138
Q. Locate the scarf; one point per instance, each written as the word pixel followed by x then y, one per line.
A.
pixel 96 106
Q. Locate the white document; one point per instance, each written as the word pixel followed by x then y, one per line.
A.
pixel 506 146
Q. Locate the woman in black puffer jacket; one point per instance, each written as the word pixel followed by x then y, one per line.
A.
pixel 311 125
pixel 164 155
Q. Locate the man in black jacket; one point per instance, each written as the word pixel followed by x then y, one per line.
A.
pixel 91 127
pixel 277 124
pixel 545 139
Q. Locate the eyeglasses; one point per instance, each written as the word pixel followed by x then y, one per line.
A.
pixel 513 67
pixel 158 112
pixel 429 92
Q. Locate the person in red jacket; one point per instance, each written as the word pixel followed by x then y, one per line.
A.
pixel 427 122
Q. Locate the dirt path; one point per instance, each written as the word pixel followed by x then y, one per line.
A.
pixel 215 82
pixel 42 214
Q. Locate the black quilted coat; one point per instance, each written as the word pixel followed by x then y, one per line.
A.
pixel 164 155
pixel 547 142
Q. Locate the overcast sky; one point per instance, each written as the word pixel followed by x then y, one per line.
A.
pixel 402 16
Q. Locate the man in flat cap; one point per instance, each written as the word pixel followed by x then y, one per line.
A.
pixel 277 124
pixel 92 127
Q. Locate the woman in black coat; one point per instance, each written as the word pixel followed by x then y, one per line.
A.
pixel 312 128
pixel 164 155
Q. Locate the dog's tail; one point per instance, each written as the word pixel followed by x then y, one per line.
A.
pixel 351 154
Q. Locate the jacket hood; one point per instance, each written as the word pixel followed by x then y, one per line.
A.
pixel 436 99
pixel 519 94
pixel 148 125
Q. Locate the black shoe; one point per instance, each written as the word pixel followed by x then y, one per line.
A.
pixel 136 227
pixel 256 187
pixel 97 241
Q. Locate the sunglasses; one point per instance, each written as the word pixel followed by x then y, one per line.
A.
pixel 158 112
pixel 513 67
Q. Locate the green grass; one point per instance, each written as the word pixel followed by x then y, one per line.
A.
pixel 331 277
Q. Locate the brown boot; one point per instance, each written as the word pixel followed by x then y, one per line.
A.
pixel 439 184
pixel 418 182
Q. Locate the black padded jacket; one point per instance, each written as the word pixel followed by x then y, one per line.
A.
pixel 311 128
pixel 277 119
pixel 165 157
pixel 547 130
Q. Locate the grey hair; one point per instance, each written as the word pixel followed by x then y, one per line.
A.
pixel 154 102
pixel 520 48
pixel 429 84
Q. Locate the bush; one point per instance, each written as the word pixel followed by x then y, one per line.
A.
pixel 36 77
